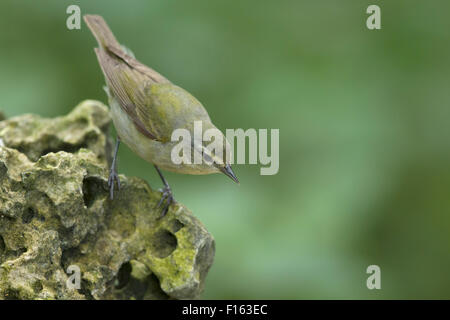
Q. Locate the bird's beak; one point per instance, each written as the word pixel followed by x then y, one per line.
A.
pixel 227 170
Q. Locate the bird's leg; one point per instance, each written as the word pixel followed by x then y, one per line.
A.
pixel 113 175
pixel 166 194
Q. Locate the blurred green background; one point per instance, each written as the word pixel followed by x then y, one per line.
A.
pixel 364 130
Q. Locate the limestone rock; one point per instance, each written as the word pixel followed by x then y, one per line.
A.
pixel 56 217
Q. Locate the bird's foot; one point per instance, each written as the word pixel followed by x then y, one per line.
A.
pixel 166 198
pixel 112 180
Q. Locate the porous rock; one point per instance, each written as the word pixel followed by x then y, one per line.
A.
pixel 56 219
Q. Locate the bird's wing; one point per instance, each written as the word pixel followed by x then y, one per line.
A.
pixel 128 85
pixel 126 77
pixel 136 65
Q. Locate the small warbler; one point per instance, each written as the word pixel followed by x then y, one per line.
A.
pixel 146 108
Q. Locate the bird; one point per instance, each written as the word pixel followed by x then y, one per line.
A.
pixel 146 108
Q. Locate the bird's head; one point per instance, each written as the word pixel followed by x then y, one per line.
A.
pixel 217 154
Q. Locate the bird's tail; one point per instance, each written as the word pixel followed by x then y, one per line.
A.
pixel 101 31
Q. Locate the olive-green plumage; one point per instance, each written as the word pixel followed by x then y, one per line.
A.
pixel 146 107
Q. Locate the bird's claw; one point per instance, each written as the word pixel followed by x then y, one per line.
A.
pixel 166 197
pixel 112 180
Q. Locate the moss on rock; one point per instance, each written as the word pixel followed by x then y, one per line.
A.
pixel 55 214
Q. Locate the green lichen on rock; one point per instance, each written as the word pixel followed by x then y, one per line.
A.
pixel 55 214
